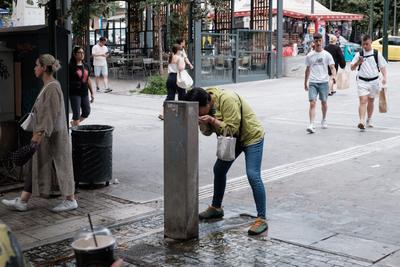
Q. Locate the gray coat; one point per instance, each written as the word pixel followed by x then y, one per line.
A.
pixel 52 164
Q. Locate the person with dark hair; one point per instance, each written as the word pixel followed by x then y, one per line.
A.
pixel 175 65
pixel 52 161
pixel 100 54
pixel 317 62
pixel 369 63
pixel 79 85
pixel 224 110
pixel 182 43
pixel 338 57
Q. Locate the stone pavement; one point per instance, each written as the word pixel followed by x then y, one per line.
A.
pixel 221 243
pixel 40 225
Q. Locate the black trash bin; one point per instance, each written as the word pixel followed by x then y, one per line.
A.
pixel 92 153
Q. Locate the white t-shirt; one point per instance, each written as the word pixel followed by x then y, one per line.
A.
pixel 368 68
pixel 99 50
pixel 319 63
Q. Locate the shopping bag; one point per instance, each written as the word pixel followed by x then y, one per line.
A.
pixel 24 154
pixel 343 80
pixel 184 80
pixel 226 147
pixel 27 122
pixel 383 100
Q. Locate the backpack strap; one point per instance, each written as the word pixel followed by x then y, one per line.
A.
pixel 361 55
pixel 375 58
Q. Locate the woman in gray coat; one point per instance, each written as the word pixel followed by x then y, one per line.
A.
pixel 53 161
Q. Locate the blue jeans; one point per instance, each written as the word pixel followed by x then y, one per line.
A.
pixel 253 155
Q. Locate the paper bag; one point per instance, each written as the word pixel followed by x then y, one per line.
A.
pixel 383 101
pixel 343 80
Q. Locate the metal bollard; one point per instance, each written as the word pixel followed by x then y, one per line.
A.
pixel 181 170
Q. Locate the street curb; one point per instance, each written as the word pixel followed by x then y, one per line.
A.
pixel 63 237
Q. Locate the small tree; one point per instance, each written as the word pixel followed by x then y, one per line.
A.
pixel 157 6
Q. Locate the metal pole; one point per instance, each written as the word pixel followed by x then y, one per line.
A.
pixel 87 34
pixel 279 43
pixel 385 28
pixel 270 25
pixel 181 170
pixel 312 6
pixel 395 19
pixel 371 18
pixel 330 4
pixel 197 50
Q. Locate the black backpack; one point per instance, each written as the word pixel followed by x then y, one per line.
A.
pixel 375 57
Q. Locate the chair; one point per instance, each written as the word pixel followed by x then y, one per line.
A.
pixel 220 65
pixel 206 67
pixel 244 64
pixel 114 67
pixel 137 66
pixel 148 66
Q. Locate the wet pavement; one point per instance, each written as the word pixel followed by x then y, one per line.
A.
pixel 221 243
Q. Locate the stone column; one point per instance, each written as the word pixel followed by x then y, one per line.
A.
pixel 181 170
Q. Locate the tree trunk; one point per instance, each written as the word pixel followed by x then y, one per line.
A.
pixel 160 47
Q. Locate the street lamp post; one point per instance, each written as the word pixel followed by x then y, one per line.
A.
pixel 385 28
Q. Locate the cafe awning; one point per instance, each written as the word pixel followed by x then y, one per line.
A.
pixel 299 9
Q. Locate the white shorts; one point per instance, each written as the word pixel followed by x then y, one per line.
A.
pixel 100 70
pixel 370 89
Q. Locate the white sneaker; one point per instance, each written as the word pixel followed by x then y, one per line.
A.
pixel 324 124
pixel 369 123
pixel 311 129
pixel 15 204
pixel 66 205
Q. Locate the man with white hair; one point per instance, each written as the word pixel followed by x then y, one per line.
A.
pixel 338 57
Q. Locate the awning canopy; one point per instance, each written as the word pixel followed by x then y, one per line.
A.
pixel 299 9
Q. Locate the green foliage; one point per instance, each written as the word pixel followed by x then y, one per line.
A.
pixel 156 85
pixel 362 7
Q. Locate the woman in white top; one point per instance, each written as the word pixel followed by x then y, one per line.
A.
pixel 176 64
pixel 182 43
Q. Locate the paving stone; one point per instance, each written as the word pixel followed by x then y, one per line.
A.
pixel 357 247
pixel 391 261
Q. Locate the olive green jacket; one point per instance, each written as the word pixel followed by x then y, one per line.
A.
pixel 233 110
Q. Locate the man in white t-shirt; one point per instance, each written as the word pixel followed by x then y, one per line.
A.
pixel 100 54
pixel 316 80
pixel 369 62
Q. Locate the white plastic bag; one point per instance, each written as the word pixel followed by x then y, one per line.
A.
pixel 226 147
pixel 27 125
pixel 184 80
pixel 343 80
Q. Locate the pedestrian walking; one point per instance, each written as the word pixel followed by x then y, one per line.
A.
pixel 100 54
pixel 368 63
pixel 79 86
pixel 224 111
pixel 52 160
pixel 317 79
pixel 176 64
pixel 338 57
pixel 182 43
